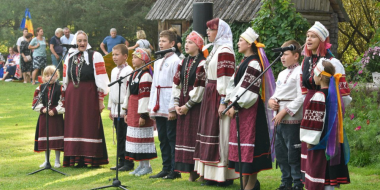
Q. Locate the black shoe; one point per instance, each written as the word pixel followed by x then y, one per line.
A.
pixel 257 185
pixel 162 174
pixel 300 187
pixel 81 165
pixel 283 186
pixel 209 183
pixel 173 175
pixel 118 166
pixel 225 183
pixel 126 168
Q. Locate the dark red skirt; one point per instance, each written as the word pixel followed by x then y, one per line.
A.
pixel 208 126
pixel 55 133
pixel 187 126
pixel 309 95
pixel 253 130
pixel 84 135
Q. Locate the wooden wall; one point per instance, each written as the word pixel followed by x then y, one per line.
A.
pixel 312 5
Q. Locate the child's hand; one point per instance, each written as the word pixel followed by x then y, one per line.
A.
pixel 184 110
pixel 51 112
pixel 277 119
pixel 141 122
pixel 222 107
pixel 44 110
pixel 101 106
pixel 178 110
pixel 309 146
pixel 273 104
pixel 172 116
pixel 125 118
pixel 110 116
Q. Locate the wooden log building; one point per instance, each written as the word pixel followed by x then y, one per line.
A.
pixel 178 13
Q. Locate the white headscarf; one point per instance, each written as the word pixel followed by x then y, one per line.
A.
pixel 74 51
pixel 223 37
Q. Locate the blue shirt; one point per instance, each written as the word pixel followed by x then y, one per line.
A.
pixel 41 50
pixel 111 42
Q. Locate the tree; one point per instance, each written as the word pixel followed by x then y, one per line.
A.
pixel 277 22
pixel 356 35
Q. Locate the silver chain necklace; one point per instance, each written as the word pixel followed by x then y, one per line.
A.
pixel 187 73
pixel 78 65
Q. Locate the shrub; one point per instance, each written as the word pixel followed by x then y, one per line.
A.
pixel 361 122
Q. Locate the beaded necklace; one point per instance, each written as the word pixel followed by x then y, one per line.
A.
pixel 78 61
pixel 187 72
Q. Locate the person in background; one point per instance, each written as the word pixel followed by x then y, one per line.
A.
pixel 142 42
pixel 26 61
pixel 56 48
pixel 10 65
pixel 22 38
pixel 66 39
pixel 112 40
pixel 38 45
pixel 178 43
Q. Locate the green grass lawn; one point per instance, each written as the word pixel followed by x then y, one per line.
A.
pixel 17 129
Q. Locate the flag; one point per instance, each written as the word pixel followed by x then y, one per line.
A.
pixel 27 22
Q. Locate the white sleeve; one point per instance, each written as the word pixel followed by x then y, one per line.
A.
pixel 294 106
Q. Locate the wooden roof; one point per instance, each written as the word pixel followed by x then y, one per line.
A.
pixel 236 10
pixel 228 10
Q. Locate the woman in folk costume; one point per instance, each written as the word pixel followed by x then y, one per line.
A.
pixel 188 90
pixel 323 133
pixel 85 81
pixel 140 140
pixel 211 148
pixel 316 47
pixel 55 108
pixel 254 137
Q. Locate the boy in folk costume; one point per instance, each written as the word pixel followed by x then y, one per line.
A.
pixel 119 56
pixel 140 140
pixel 160 104
pixel 188 89
pixel 254 136
pixel 323 133
pixel 211 148
pixel 316 47
pixel 55 109
pixel 287 102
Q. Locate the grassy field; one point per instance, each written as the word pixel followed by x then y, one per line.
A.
pixel 17 129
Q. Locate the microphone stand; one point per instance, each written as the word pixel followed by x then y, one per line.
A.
pixel 237 116
pixel 48 165
pixel 116 182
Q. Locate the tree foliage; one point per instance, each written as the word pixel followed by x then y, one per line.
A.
pixel 95 17
pixel 355 36
pixel 277 22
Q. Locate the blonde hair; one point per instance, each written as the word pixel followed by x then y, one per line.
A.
pixel 49 70
pixel 141 34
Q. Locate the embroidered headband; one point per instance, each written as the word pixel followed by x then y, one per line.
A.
pixel 249 35
pixel 196 38
pixel 142 54
pixel 319 30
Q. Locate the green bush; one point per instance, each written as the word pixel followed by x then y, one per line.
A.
pixel 361 122
pixel 277 22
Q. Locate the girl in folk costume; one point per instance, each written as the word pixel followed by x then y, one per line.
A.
pixel 139 141
pixel 211 148
pixel 322 130
pixel 255 149
pixel 316 47
pixel 85 80
pixel 55 109
pixel 188 90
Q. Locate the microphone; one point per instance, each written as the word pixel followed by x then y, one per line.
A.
pixel 69 45
pixel 282 49
pixel 165 51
